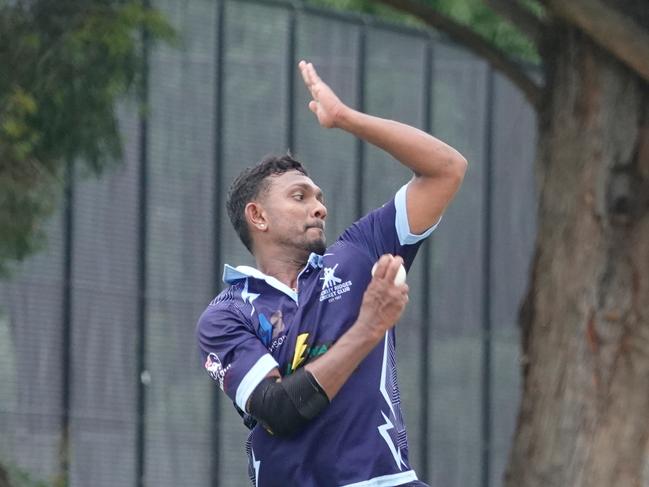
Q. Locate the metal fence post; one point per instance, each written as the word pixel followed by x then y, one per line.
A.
pixel 290 78
pixel 143 161
pixel 360 105
pixel 219 84
pixel 486 281
pixel 68 230
pixel 425 363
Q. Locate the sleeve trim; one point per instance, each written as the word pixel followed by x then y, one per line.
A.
pixel 253 377
pixel 401 220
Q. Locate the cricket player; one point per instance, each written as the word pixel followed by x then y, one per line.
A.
pixel 304 343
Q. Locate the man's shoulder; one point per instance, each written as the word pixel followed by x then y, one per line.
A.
pixel 386 212
pixel 378 223
pixel 226 305
pixel 229 296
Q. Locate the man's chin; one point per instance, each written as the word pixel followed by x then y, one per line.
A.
pixel 317 246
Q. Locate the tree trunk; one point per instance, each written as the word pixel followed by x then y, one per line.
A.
pixel 584 419
pixel 4 478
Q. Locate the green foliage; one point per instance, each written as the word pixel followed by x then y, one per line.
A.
pixel 20 478
pixel 65 65
pixel 483 20
pixel 370 7
pixel 472 13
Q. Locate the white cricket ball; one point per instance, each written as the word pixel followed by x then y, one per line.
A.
pixel 400 278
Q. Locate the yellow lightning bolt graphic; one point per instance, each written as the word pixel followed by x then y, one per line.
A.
pixel 300 348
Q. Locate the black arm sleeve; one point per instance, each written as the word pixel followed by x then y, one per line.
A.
pixel 283 408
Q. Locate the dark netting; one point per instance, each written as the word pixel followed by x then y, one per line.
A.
pixel 192 435
pixel 104 299
pixel 329 155
pixel 459 118
pixel 514 228
pixel 255 109
pixel 394 89
pixel 180 248
pixel 31 353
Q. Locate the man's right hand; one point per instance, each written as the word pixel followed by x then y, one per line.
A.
pixel 383 301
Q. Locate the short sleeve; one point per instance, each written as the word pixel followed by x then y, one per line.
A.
pixel 386 230
pixel 232 354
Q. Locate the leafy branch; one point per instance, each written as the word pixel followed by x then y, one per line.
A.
pixel 474 42
pixel 67 64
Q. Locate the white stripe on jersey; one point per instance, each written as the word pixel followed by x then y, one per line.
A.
pixel 401 220
pixel 253 377
pixel 387 480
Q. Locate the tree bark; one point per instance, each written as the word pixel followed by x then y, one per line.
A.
pixel 611 27
pixel 4 478
pixel 584 419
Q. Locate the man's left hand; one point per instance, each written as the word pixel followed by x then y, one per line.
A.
pixel 325 104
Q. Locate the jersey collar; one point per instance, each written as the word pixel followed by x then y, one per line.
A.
pixel 233 274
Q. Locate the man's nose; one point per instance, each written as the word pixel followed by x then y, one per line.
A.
pixel 320 211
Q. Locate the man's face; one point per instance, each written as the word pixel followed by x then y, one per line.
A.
pixel 295 211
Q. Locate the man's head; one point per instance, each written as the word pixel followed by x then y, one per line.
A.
pixel 275 202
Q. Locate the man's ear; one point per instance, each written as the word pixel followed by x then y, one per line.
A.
pixel 256 216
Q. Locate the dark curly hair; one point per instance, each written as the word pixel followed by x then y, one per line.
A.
pixel 250 184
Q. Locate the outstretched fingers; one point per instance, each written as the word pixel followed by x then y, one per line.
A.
pixel 310 78
pixel 305 75
pixel 313 74
pixel 325 105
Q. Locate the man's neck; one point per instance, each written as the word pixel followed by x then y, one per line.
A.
pixel 281 265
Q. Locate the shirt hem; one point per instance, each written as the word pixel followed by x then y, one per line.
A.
pixel 391 480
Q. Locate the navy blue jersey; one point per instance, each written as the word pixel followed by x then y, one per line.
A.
pixel 259 323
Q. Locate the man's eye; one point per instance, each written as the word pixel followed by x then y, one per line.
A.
pixel 298 196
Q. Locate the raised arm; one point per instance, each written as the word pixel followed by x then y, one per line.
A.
pixel 438 168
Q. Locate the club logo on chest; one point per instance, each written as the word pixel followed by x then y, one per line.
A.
pixel 333 287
